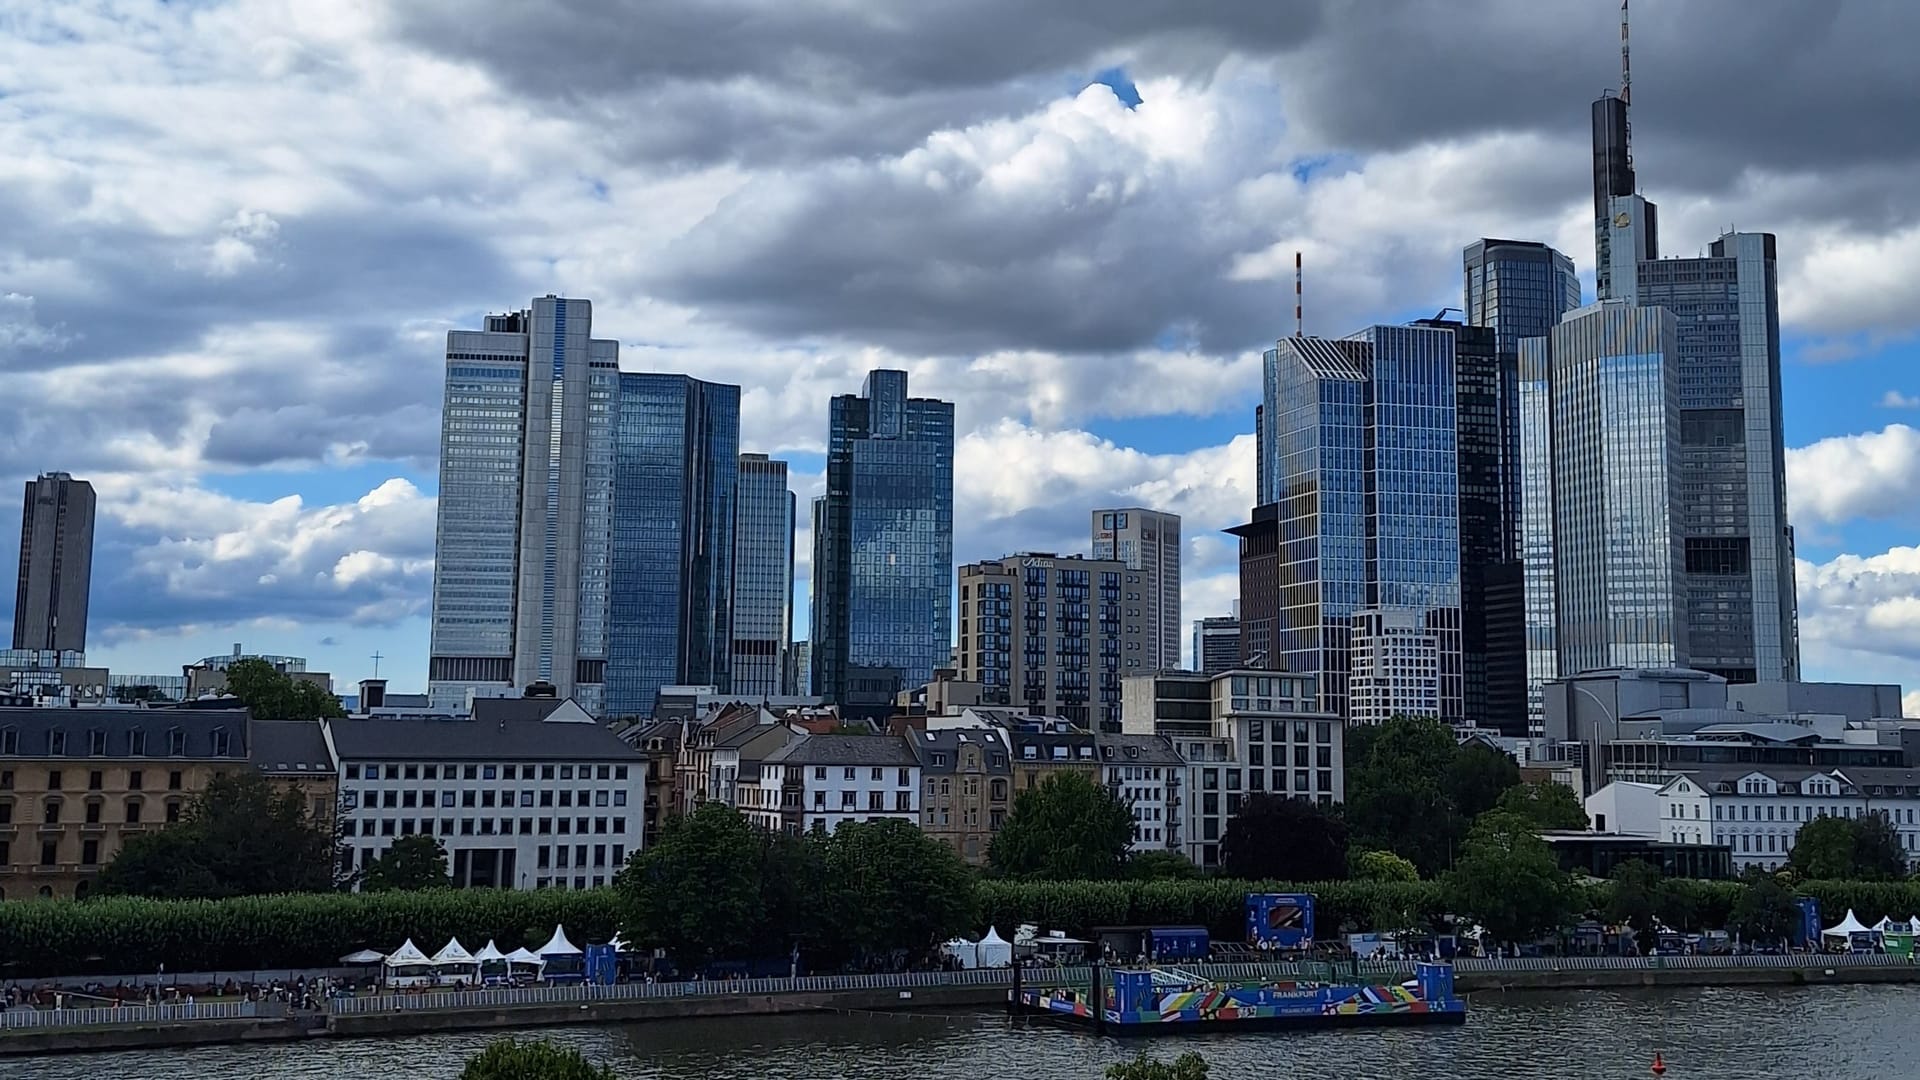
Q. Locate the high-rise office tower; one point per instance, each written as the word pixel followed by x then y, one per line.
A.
pixel 1148 541
pixel 883 546
pixel 521 548
pixel 56 564
pixel 1513 289
pixel 1600 434
pixel 1045 634
pixel 762 579
pixel 800 669
pixel 1216 642
pixel 1362 512
pixel 670 620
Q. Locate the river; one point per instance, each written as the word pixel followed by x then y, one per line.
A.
pixel 1815 1033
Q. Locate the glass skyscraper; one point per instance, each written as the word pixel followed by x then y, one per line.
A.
pixel 676 454
pixel 1362 503
pixel 762 578
pixel 1148 541
pixel 883 546
pixel 526 495
pixel 1600 432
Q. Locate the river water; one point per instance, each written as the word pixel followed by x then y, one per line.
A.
pixel 1813 1033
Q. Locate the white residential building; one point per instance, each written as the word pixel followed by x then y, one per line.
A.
pixel 1395 666
pixel 821 781
pixel 1147 776
pixel 1758 812
pixel 529 793
pixel 1627 808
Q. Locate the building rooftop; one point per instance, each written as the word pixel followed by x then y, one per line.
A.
pixel 496 710
pixel 29 732
pixel 948 742
pixel 437 739
pixel 845 750
pixel 1136 750
pixel 282 747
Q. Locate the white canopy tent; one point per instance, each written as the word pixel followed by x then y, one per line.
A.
pixel 525 962
pixel 364 956
pixel 965 953
pixel 995 951
pixel 558 945
pixel 453 961
pixel 1846 928
pixel 406 966
pixel 491 962
pixel 561 959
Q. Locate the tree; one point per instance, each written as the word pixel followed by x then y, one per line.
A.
pixel 1067 828
pixel 411 862
pixel 1634 899
pixel 1764 910
pixel 275 695
pixel 1506 880
pixel 1396 798
pixel 892 890
pixel 1382 866
pixel 697 893
pixel 505 1059
pixel 1161 865
pixel 1479 775
pixel 1188 1066
pixel 1864 849
pixel 1275 838
pixel 242 836
pixel 1547 804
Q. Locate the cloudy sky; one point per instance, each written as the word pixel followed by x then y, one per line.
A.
pixel 235 233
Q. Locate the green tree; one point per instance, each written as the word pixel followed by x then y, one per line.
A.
pixel 1396 795
pixel 1877 853
pixel 1547 804
pixel 506 1059
pixel 1478 776
pixel 1161 865
pixel 411 862
pixel 1823 849
pixel 1188 1066
pixel 242 836
pixel 697 893
pixel 892 890
pixel 1067 828
pixel 1275 838
pixel 1634 899
pixel 1507 880
pixel 1764 910
pixel 1382 866
pixel 275 695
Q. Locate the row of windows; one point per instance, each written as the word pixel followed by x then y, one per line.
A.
pixel 50 811
pixel 487 826
pixel 96 779
pixel 485 772
pixel 393 798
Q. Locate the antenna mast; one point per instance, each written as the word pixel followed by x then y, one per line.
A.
pixel 1299 324
pixel 1626 81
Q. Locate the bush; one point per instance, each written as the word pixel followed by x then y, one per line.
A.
pixel 505 1059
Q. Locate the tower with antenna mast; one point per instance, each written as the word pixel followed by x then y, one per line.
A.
pixel 1625 226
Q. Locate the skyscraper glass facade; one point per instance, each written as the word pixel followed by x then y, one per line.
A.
pixel 526 493
pixel 1366 492
pixel 762 578
pixel 1601 429
pixel 1148 542
pixel 676 453
pixel 883 576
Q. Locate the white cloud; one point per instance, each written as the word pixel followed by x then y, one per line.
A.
pixel 1875 474
pixel 1894 399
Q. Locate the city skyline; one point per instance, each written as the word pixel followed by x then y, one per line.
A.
pixel 303 368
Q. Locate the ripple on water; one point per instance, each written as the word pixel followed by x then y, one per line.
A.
pixel 1815 1033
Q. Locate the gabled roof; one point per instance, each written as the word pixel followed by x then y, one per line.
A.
pixel 290 748
pixel 844 750
pixel 33 728
pixel 946 743
pixel 1135 750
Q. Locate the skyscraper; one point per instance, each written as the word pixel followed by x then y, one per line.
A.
pixel 1216 642
pixel 1740 603
pixel 883 546
pixel 1046 633
pixel 1600 433
pixel 762 578
pixel 1513 289
pixel 1362 512
pixel 521 548
pixel 676 458
pixel 1147 541
pixel 56 564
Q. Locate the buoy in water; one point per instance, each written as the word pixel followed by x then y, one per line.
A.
pixel 1659 1066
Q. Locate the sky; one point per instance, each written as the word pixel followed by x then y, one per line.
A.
pixel 234 233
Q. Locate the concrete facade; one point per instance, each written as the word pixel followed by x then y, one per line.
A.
pixel 56 564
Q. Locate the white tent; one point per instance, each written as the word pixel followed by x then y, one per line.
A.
pixel 454 962
pixel 407 966
pixel 364 956
pixel 965 953
pixel 1887 923
pixel 523 958
pixel 558 945
pixel 1846 927
pixel 995 951
pixel 491 961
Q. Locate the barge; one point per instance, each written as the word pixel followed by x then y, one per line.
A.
pixel 1159 1000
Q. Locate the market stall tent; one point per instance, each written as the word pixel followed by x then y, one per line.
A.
pixel 561 960
pixel 364 956
pixel 522 962
pixel 995 951
pixel 407 966
pixel 491 962
pixel 1846 927
pixel 453 962
pixel 965 953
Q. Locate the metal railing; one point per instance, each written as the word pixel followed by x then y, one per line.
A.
pixel 120 1015
pixel 1639 963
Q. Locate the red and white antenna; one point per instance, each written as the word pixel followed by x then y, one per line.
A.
pixel 1299 324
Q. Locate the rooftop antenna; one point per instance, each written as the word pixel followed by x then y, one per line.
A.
pixel 1299 323
pixel 1626 81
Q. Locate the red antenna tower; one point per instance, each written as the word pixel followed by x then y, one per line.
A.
pixel 1299 324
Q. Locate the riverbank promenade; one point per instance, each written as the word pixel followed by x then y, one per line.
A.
pixel 29 1031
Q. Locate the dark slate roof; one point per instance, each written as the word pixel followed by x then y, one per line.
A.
pixel 32 729
pixel 948 741
pixel 845 750
pixel 494 710
pixel 290 747
pixel 1135 750
pixel 436 739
